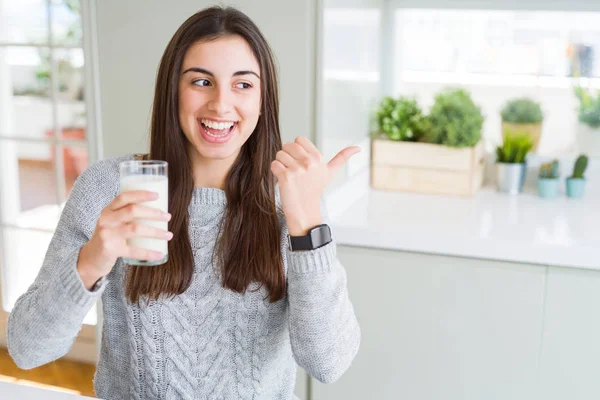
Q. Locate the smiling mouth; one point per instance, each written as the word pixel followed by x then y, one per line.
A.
pixel 217 129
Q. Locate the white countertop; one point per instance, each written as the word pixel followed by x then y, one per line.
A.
pixel 12 391
pixel 524 228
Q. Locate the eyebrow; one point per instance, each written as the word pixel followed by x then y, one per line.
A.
pixel 204 71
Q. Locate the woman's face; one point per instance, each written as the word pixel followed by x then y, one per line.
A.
pixel 219 97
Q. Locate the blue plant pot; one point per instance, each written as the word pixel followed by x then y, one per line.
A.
pixel 575 187
pixel 548 188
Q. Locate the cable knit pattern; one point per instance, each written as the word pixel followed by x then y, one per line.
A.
pixel 207 343
pixel 133 323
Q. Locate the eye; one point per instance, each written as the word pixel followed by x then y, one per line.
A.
pixel 243 85
pixel 201 82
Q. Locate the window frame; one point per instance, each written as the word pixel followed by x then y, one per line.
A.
pixel 85 348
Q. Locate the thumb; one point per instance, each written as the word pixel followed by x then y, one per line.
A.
pixel 341 158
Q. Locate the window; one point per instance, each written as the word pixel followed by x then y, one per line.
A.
pixel 498 55
pixel 348 79
pixel 44 140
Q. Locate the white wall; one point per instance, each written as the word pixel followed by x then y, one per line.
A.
pixel 133 34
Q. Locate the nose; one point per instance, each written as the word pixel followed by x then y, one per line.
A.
pixel 221 103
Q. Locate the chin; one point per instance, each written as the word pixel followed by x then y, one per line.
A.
pixel 216 153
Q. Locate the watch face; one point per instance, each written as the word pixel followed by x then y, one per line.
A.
pixel 319 236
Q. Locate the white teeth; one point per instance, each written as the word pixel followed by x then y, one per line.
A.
pixel 217 125
pixel 210 134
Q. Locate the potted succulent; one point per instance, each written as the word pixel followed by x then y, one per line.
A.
pixel 576 182
pixel 523 115
pixel 588 129
pixel 549 180
pixel 511 165
pixel 438 153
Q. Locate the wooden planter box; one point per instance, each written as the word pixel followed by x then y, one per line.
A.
pixel 426 168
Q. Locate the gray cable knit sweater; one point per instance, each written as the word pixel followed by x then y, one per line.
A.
pixel 207 343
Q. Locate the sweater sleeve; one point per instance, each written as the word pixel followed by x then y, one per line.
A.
pixel 46 319
pixel 324 331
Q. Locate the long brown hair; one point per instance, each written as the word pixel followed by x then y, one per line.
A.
pixel 248 247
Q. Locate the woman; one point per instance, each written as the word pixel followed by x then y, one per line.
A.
pixel 234 308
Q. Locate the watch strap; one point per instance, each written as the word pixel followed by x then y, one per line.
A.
pixel 317 237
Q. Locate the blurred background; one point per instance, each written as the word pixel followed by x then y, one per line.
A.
pixel 468 225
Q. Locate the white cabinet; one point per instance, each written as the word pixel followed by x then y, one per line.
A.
pixel 436 327
pixel 570 359
pixel 301 384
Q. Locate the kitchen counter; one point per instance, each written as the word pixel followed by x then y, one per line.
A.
pixel 12 391
pixel 491 225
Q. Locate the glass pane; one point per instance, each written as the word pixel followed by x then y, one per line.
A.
pixel 75 161
pixel 92 316
pixel 28 185
pixel 66 22
pixel 70 74
pixel 24 251
pixel 350 38
pixel 24 21
pixel 499 56
pixel 25 92
pixel 545 43
pixel 350 71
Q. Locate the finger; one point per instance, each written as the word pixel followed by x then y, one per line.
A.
pixel 277 168
pixel 295 150
pixel 137 211
pixel 137 253
pixel 287 160
pixel 341 158
pixel 147 231
pixel 309 147
pixel 132 196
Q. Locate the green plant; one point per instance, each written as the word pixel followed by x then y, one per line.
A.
pixel 63 60
pixel 550 170
pixel 74 34
pixel 580 166
pixel 455 120
pixel 522 111
pixel 401 119
pixel 589 107
pixel 514 148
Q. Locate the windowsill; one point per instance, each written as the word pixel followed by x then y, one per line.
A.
pixel 501 80
pixel 491 225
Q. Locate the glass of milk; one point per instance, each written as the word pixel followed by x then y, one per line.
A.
pixel 151 175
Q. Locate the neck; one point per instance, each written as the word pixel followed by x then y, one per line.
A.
pixel 210 173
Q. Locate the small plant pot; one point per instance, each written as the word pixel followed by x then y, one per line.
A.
pixel 510 177
pixel 548 188
pixel 575 187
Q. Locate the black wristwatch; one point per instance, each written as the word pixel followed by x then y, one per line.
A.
pixel 97 284
pixel 317 237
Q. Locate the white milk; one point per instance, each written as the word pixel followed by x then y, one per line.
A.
pixel 153 183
